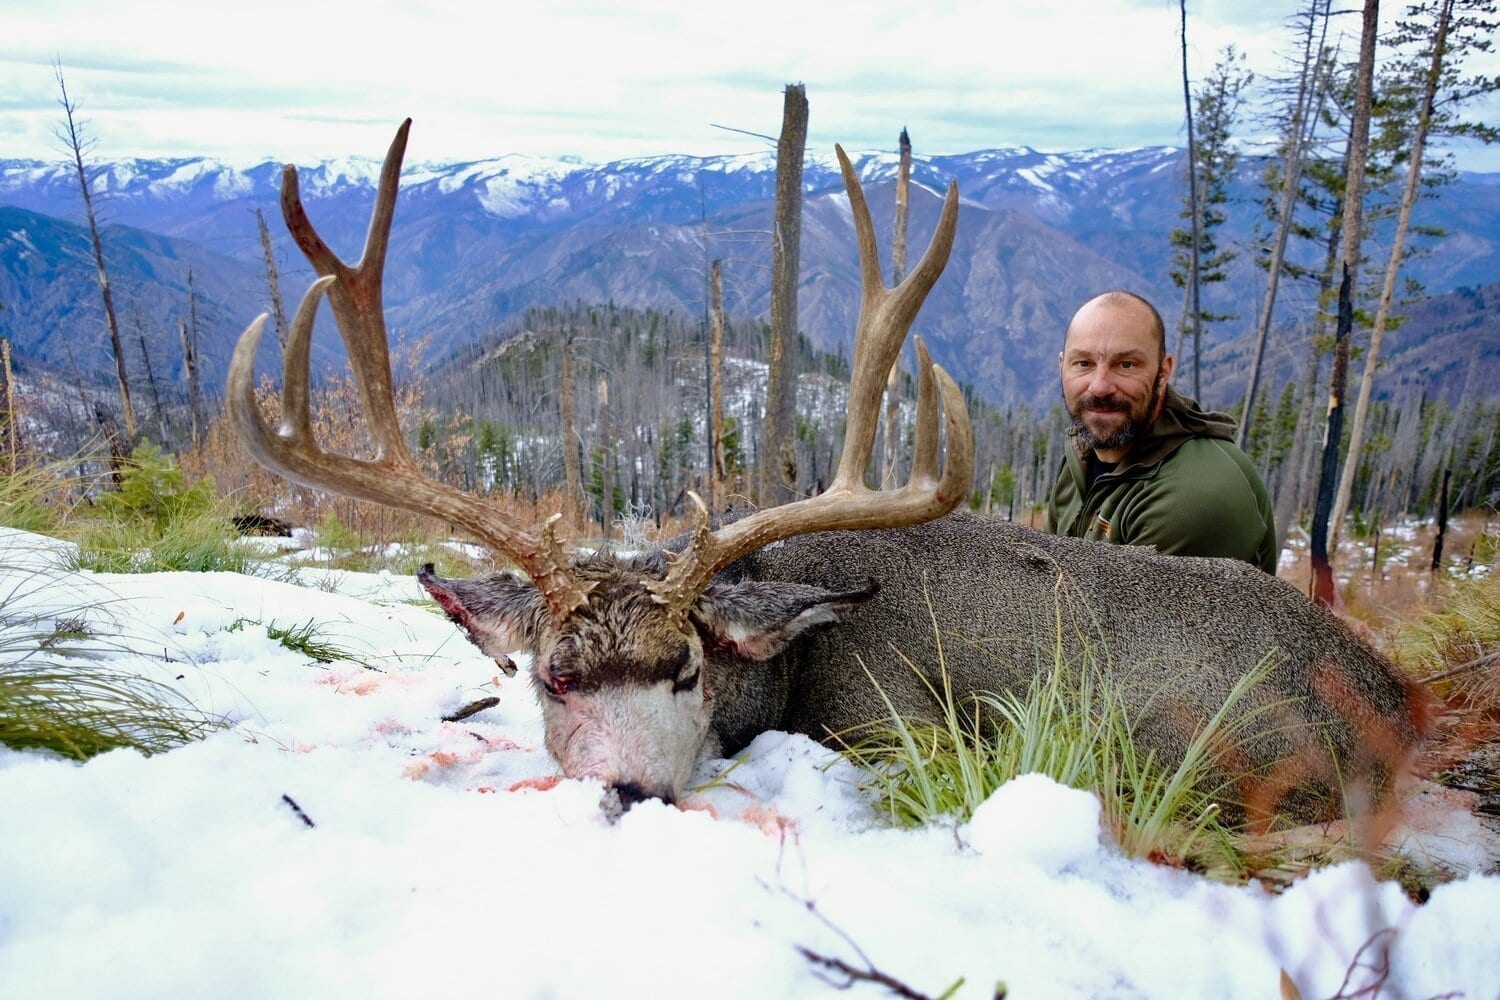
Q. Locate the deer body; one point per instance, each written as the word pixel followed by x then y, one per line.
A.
pixel 1172 634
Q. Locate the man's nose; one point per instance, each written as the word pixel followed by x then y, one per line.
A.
pixel 1102 382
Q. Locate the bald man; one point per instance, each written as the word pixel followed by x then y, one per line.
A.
pixel 1147 466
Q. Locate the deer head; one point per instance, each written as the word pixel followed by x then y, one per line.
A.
pixel 620 647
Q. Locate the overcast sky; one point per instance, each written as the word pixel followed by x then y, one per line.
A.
pixel 272 79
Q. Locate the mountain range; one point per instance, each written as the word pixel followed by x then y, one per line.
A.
pixel 475 244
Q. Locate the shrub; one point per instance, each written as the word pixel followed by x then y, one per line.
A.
pixel 155 522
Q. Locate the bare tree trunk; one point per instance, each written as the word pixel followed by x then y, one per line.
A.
pixel 119 451
pixel 1354 189
pixel 1289 497
pixel 720 470
pixel 898 272
pixel 606 464
pixel 273 280
pixel 156 408
pixel 1182 328
pixel 73 135
pixel 1442 522
pixel 190 366
pixel 778 474
pixel 1300 131
pixel 10 418
pixel 572 481
pixel 1197 212
pixel 1392 269
pixel 189 334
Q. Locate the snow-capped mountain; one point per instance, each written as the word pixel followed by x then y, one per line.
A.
pixel 476 243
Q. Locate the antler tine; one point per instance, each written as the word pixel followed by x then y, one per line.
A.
pixel 885 317
pixel 924 466
pixel 357 298
pixel 391 477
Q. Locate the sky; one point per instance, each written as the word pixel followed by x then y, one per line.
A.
pixel 599 80
pixel 336 839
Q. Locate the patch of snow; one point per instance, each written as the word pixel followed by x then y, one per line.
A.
pixel 21 237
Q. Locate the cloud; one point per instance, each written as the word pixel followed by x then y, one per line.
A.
pixel 603 80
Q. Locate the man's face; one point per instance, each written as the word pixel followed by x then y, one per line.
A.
pixel 1112 377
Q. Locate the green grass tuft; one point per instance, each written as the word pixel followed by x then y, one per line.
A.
pixel 57 695
pixel 303 639
pixel 1071 724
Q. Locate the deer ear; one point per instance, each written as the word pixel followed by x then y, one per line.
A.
pixel 757 619
pixel 500 613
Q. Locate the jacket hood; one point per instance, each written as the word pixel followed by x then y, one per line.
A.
pixel 1182 417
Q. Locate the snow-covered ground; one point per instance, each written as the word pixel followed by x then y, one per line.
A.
pixel 337 839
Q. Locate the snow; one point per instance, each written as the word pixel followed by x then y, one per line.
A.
pixel 332 175
pixel 443 858
pixel 228 183
pixel 24 238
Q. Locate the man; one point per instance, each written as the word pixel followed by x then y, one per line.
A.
pixel 1148 467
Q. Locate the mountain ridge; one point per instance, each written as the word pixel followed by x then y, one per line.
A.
pixel 476 243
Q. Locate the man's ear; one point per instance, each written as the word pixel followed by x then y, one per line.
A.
pixel 758 619
pixel 500 614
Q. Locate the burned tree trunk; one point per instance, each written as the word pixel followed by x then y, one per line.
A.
pixel 898 272
pixel 273 279
pixel 606 465
pixel 72 134
pixel 119 451
pixel 10 422
pixel 572 481
pixel 156 407
pixel 1300 129
pixel 1354 190
pixel 1195 197
pixel 778 472
pixel 190 367
pixel 720 471
pixel 1431 79
pixel 1442 522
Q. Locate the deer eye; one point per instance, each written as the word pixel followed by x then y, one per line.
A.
pixel 556 685
pixel 686 683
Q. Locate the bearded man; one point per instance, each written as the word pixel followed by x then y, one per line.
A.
pixel 1148 467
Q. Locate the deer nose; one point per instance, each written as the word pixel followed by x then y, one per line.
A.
pixel 630 793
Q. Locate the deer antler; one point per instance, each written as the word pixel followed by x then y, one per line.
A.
pixel 885 316
pixel 391 477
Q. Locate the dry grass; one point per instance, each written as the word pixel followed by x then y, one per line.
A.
pixel 1441 628
pixel 1378 589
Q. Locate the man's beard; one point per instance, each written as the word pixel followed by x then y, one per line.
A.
pixel 1128 431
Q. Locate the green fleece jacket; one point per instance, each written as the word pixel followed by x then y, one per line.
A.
pixel 1183 487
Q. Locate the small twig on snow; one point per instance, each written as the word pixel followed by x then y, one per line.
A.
pixel 869 974
pixel 298 810
pixel 472 708
pixel 852 975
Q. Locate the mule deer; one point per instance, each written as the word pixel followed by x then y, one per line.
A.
pixel 645 663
